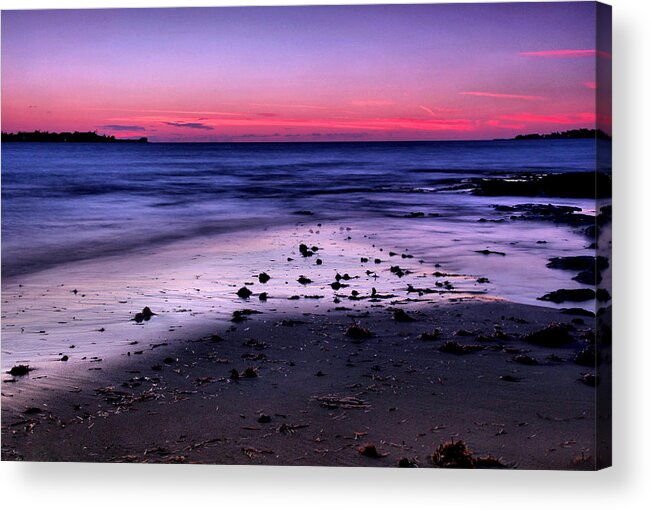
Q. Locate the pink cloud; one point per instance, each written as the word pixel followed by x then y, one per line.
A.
pixel 575 118
pixel 567 53
pixel 504 125
pixel 386 124
pixel 591 85
pixel 503 96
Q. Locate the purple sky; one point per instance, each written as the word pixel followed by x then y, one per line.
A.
pixel 464 71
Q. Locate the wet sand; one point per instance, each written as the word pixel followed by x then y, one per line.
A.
pixel 281 382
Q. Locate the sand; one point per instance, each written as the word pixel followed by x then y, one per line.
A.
pixel 287 385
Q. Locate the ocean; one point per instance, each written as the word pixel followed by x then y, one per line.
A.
pixel 63 203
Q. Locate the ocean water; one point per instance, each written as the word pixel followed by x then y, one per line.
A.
pixel 67 202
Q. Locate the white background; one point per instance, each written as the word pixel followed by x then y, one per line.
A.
pixel 627 485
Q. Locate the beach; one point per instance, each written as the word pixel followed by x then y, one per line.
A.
pixel 299 316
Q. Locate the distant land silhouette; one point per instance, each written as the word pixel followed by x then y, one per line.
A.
pixel 572 133
pixel 76 137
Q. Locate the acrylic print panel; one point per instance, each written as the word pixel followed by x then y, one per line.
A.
pixel 345 236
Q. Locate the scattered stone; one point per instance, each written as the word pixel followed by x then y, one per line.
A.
pixel 304 280
pixel 451 347
pixel 305 251
pixel 523 359
pixel 370 450
pixel 20 370
pixel 431 336
pixel 250 372
pixel 244 293
pixel 145 315
pixel 490 252
pixel 263 277
pixel 264 418
pixel 405 462
pixel 64 358
pixel 263 296
pixel 398 271
pixel 400 315
pixel 509 378
pixel 357 332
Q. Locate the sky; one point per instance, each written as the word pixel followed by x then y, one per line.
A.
pixel 335 73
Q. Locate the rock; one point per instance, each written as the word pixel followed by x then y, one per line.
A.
pixel 264 418
pixel 579 263
pixel 405 462
pixel 490 252
pixel 357 332
pixel 509 378
pixel 588 277
pixel 400 315
pixel 145 315
pixel 398 271
pixel 370 450
pixel 577 311
pixel 263 296
pixel 319 262
pixel 250 372
pixel 523 359
pixel 431 336
pixel 263 277
pixel 562 295
pixel 452 347
pixel 565 185
pixel 554 335
pixel 603 295
pixel 483 280
pixel 64 358
pixel 304 280
pixel 305 251
pixel 244 293
pixel 20 370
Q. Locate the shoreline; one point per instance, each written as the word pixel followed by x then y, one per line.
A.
pixel 165 385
